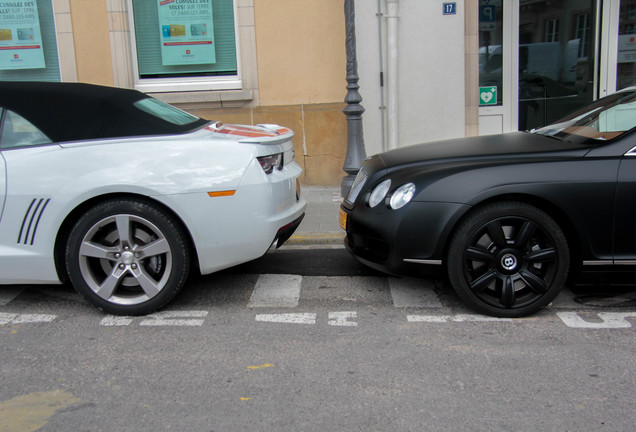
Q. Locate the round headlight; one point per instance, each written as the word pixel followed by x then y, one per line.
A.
pixel 379 193
pixel 402 196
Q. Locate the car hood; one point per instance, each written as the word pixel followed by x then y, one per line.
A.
pixel 482 147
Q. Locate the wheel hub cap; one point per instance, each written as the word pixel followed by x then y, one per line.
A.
pixel 509 262
pixel 127 258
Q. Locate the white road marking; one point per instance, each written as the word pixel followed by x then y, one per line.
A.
pixel 291 318
pixel 609 320
pixel 9 293
pixel 276 290
pixel 169 318
pixel 343 319
pixel 113 320
pixel 33 318
pixel 454 318
pixel 410 292
pixel 6 318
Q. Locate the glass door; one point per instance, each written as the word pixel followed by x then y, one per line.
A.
pixel 556 59
pixel 626 53
pixel 498 41
pixel 541 59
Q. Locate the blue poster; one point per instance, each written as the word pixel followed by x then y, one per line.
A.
pixel 20 37
pixel 186 32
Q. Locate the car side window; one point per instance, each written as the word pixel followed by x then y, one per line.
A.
pixel 19 132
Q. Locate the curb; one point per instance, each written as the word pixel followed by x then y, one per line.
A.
pixel 307 239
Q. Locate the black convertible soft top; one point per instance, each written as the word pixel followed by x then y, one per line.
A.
pixel 77 111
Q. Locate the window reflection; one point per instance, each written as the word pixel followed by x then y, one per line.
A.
pixel 556 59
pixel 626 67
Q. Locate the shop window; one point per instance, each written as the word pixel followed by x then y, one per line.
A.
pixel 555 70
pixel 28 44
pixel 185 40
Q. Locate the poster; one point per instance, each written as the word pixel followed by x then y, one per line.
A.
pixel 187 32
pixel 627 48
pixel 20 36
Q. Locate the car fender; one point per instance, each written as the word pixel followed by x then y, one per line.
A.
pixel 561 187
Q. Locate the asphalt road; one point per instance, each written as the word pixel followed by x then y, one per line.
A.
pixel 309 340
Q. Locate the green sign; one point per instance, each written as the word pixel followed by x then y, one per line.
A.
pixel 488 95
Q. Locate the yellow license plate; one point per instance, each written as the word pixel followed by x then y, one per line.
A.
pixel 343 219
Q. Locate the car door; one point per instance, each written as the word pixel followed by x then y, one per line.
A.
pixel 3 172
pixel 625 212
pixel 15 132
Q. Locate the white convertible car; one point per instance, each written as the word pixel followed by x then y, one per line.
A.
pixel 122 194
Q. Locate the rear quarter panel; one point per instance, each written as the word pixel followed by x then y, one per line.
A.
pixel 65 177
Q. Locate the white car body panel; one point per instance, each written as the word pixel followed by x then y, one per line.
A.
pixel 3 183
pixel 46 183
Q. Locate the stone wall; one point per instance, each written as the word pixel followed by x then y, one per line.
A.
pixel 320 140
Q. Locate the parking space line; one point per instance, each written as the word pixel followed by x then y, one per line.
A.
pixel 276 290
pixel 13 318
pixel 291 318
pixel 608 320
pixel 454 318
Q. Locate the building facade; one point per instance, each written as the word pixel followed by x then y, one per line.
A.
pixel 429 70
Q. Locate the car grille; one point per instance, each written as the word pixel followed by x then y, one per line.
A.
pixel 358 183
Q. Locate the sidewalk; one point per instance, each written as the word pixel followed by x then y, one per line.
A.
pixel 320 226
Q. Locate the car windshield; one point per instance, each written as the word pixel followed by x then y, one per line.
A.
pixel 606 119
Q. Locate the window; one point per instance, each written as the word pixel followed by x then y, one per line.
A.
pixel 552 30
pixel 28 42
pixel 491 44
pixel 583 32
pixel 18 132
pixel 185 41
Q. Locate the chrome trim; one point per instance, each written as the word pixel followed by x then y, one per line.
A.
pixel 610 262
pixel 423 261
pixel 598 262
pixel 632 152
pixel 356 187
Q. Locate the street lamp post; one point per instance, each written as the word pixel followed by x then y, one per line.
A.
pixel 355 141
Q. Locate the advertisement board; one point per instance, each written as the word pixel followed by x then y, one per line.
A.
pixel 20 36
pixel 187 32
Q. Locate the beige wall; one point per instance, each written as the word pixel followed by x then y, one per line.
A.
pixel 92 43
pixel 300 51
pixel 301 64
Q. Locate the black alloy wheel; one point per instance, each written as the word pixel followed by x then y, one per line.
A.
pixel 508 259
pixel 128 257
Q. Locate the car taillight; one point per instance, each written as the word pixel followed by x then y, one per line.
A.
pixel 268 163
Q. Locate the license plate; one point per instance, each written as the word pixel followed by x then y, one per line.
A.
pixel 343 219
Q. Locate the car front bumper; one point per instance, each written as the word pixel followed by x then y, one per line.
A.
pixel 407 241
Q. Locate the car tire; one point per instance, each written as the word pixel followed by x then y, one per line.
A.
pixel 127 257
pixel 508 259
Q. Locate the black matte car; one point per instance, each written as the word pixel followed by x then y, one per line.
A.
pixel 509 216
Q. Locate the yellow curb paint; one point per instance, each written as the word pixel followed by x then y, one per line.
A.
pixel 316 238
pixel 30 412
